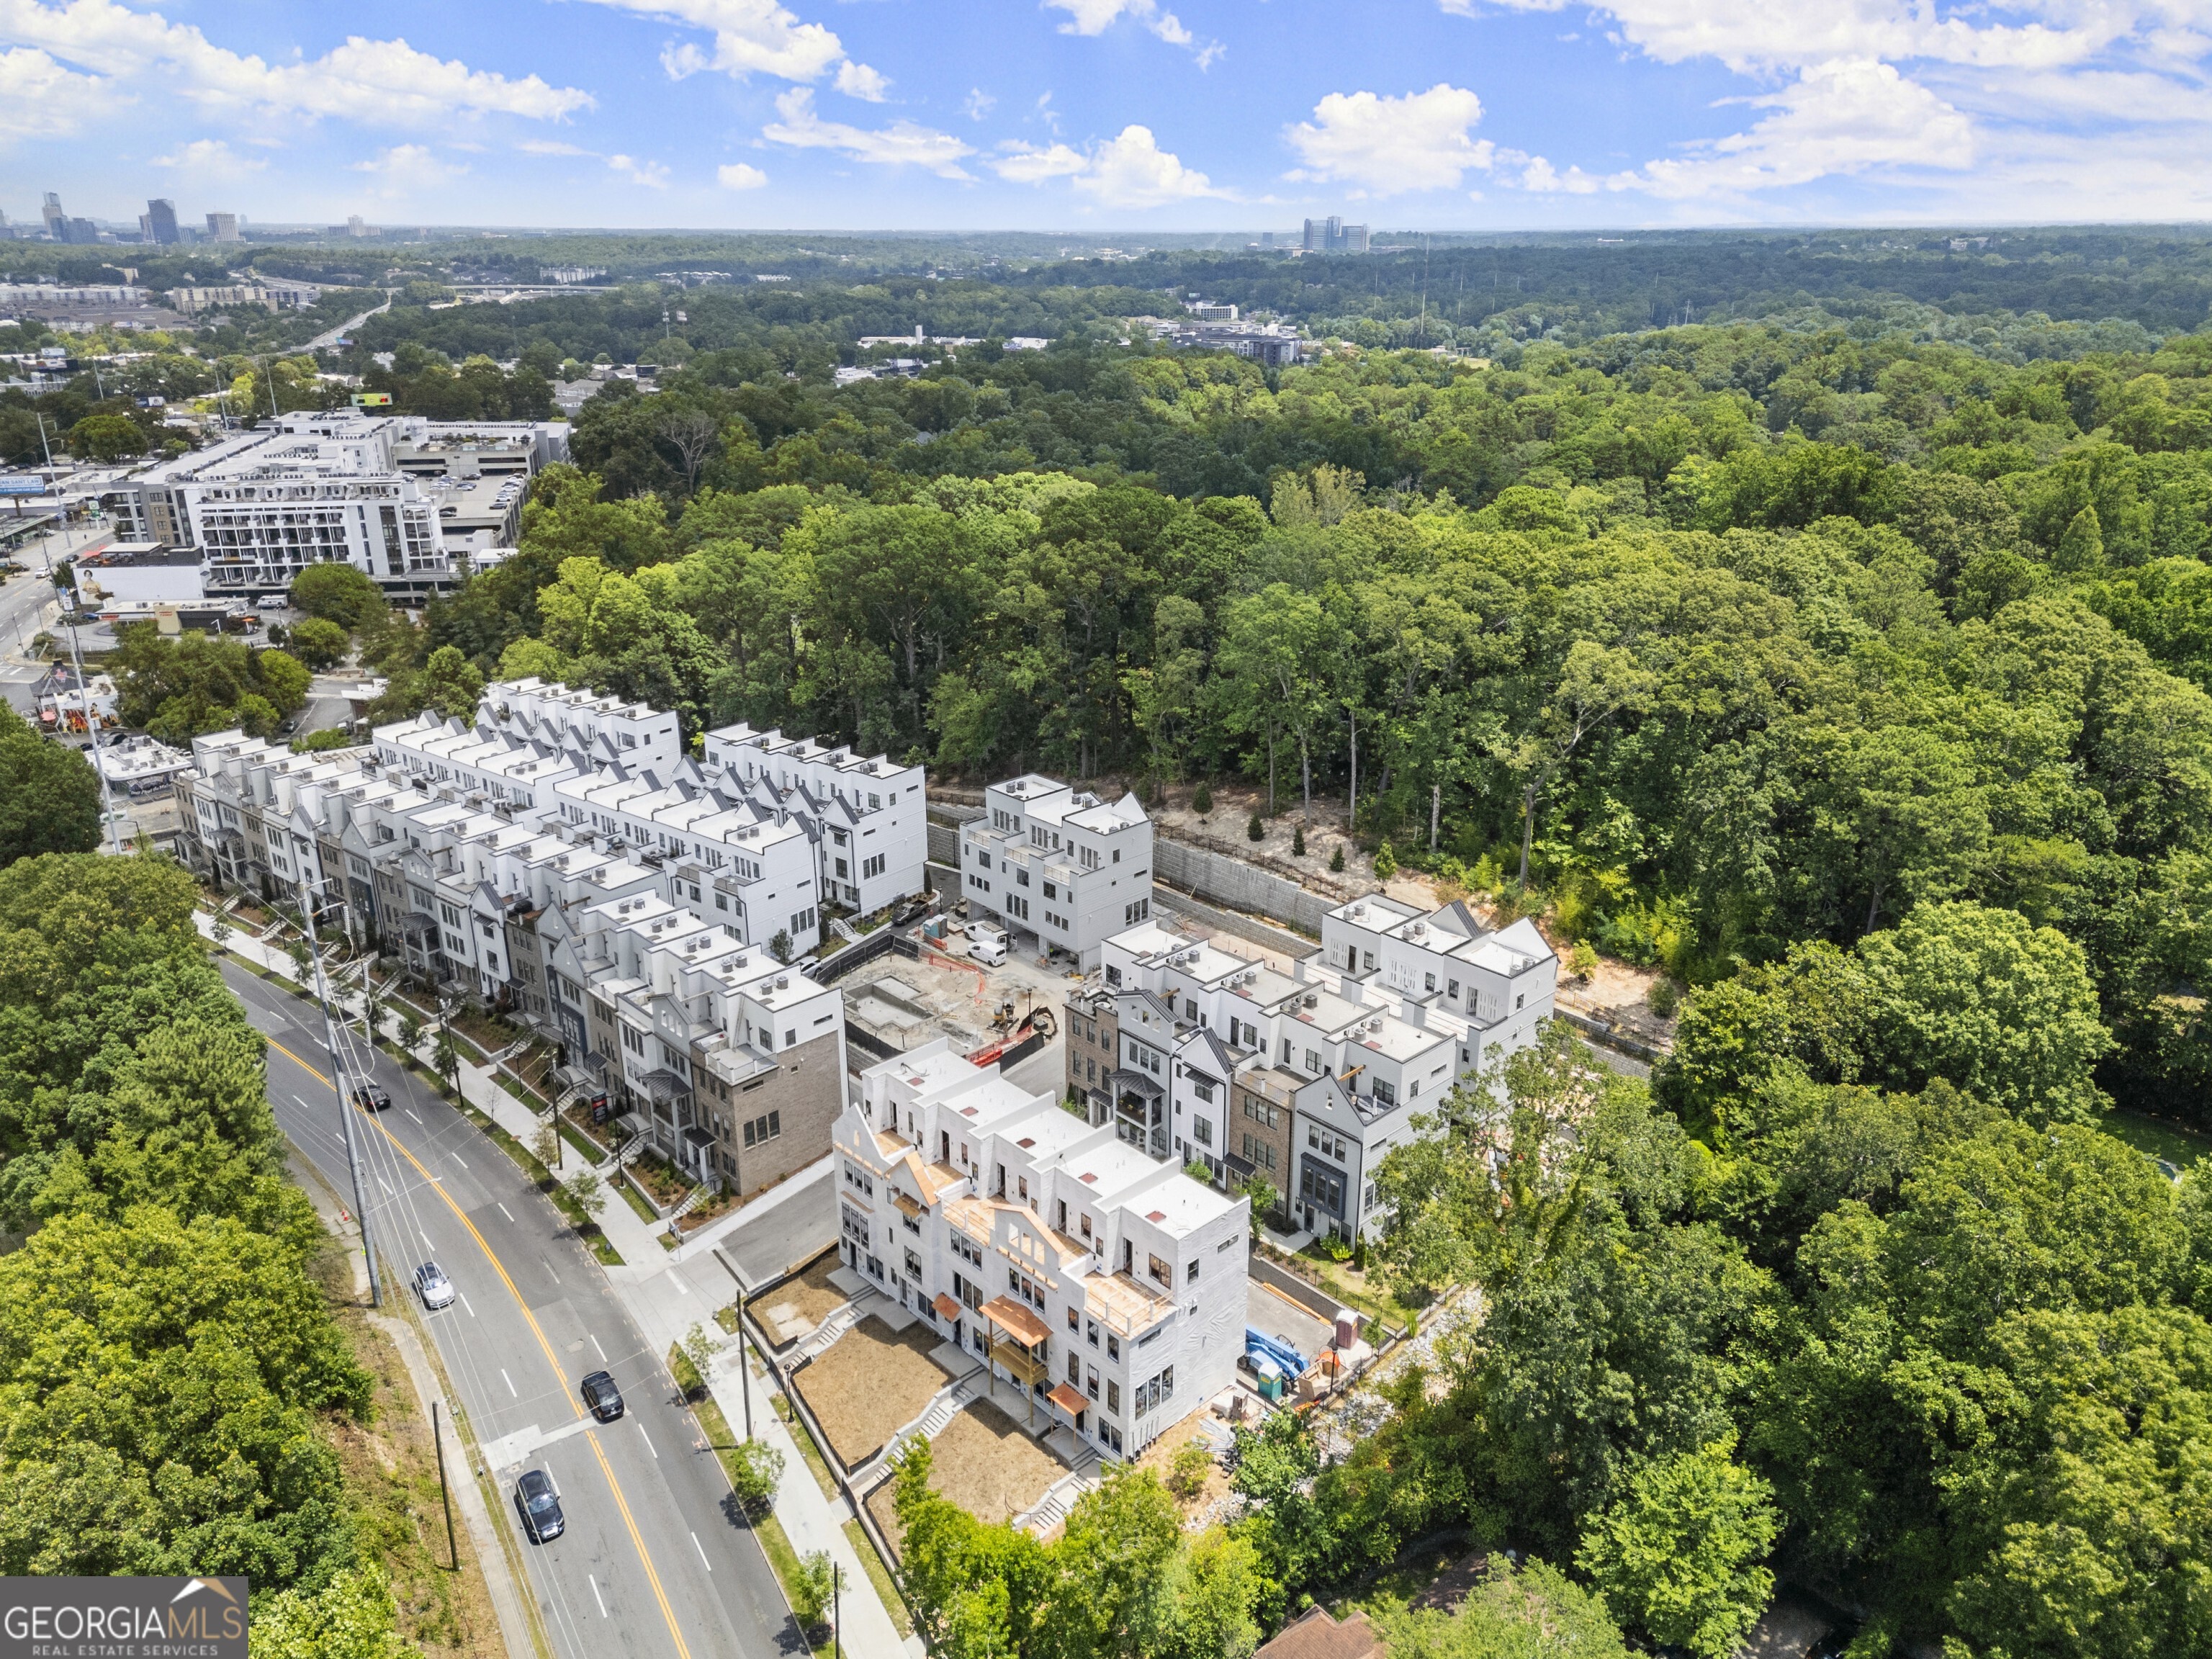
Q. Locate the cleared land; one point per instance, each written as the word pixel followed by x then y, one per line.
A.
pixel 794 1308
pixel 984 1463
pixel 869 1384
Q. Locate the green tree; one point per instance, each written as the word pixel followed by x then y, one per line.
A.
pixel 1681 1552
pixel 759 1470
pixel 335 592
pixel 588 1193
pixel 1535 1612
pixel 49 795
pixel 812 1584
pixel 106 437
pixel 319 644
pixel 352 1617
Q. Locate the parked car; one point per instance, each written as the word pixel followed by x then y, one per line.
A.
pixel 986 943
pixel 371 1097
pixel 601 1395
pixel 432 1286
pixel 539 1505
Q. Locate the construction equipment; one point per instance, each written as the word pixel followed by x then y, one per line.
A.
pixel 1036 1028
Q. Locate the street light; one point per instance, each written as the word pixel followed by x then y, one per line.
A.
pixel 337 1082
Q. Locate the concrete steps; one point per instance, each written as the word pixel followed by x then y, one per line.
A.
pixel 1059 1499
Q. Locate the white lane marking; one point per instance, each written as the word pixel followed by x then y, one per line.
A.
pixel 464 1302
pixel 456 1156
pixel 410 1111
pixel 303 1104
pixel 596 1597
pixel 701 1548
pixel 502 1209
pixel 647 1439
pixel 387 1185
pixel 601 1351
pixel 424 1237
pixel 509 1381
pixel 548 1269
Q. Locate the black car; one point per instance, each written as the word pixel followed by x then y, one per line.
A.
pixel 539 1506
pixel 601 1395
pixel 370 1098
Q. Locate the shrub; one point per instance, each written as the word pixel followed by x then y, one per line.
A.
pixel 1187 1470
pixel 1201 799
pixel 1666 997
pixel 1582 961
pixel 1336 859
pixel 1386 862
pixel 1255 831
pixel 1299 842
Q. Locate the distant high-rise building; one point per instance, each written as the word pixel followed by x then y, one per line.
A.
pixel 159 223
pixel 222 226
pixel 1333 235
pixel 57 221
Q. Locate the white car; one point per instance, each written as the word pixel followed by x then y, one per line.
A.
pixel 432 1286
pixel 986 944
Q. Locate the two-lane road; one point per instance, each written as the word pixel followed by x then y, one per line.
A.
pixel 656 1561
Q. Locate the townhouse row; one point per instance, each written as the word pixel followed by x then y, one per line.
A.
pixel 1303 1078
pixel 731 1059
pixel 1103 1290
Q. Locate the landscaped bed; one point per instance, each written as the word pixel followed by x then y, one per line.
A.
pixel 655 1175
pixel 870 1383
pixel 794 1308
pixel 984 1463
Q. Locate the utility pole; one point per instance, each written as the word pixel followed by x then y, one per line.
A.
pixel 84 691
pixel 745 1363
pixel 445 1496
pixel 837 1611
pixel 345 1106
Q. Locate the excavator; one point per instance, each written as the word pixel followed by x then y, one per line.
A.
pixel 1038 1024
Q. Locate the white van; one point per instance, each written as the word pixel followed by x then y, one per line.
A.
pixel 987 944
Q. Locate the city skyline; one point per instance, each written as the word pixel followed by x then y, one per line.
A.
pixel 1102 115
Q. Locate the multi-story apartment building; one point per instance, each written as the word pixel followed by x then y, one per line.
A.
pixel 1060 866
pixel 1303 1079
pixel 1107 1290
pixel 310 488
pixel 870 815
pixel 731 1060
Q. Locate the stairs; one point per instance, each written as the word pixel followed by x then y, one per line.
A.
pixel 834 1327
pixel 1059 1499
pixel 692 1201
pixel 946 1404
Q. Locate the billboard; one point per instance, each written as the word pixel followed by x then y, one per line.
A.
pixel 372 400
pixel 22 486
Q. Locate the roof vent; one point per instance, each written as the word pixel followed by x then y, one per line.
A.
pixel 783 982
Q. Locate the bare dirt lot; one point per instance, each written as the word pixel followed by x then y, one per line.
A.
pixel 795 1307
pixel 869 1384
pixel 984 1463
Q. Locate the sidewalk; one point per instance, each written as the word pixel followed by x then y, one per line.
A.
pixel 666 1298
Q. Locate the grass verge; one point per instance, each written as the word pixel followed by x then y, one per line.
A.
pixel 635 1199
pixel 880 1577
pixel 808 1450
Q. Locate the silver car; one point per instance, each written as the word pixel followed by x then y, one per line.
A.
pixel 432 1286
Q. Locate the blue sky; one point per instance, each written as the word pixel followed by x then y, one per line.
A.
pixel 1111 115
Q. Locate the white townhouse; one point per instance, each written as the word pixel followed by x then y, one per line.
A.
pixel 1103 1287
pixel 1504 983
pixel 1060 864
pixel 868 818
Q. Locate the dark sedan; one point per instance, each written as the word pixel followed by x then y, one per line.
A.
pixel 601 1395
pixel 539 1506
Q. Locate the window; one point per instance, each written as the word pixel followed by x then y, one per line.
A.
pixel 761 1130
pixel 1092 1387
pixel 1133 914
pixel 1313 1061
pixel 913 1267
pixel 1202 1088
pixel 1074 1320
pixel 1202 1129
pixel 1113 1397
pixel 1074 1370
pixel 1370 962
pixel 871 868
pixel 1190 1273
pixel 1113 1347
pixel 1163 1272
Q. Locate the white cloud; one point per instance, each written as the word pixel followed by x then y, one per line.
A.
pixel 902 143
pixel 383 82
pixel 1096 16
pixel 738 175
pixel 1387 145
pixel 653 175
pixel 405 170
pixel 858 81
pixel 1127 170
pixel 1843 118
pixel 2025 109
pixel 978 103
pixel 550 147
pixel 209 159
pixel 41 98
pixel 757 37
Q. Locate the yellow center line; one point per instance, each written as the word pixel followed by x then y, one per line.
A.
pixel 560 1377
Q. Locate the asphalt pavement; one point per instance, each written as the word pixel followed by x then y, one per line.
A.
pixel 656 1560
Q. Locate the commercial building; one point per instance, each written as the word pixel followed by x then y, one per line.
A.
pixel 261 507
pixel 1304 1080
pixel 1058 864
pixel 222 227
pixel 63 228
pixel 1333 235
pixel 159 223
pixel 1104 1289
pixel 732 1061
